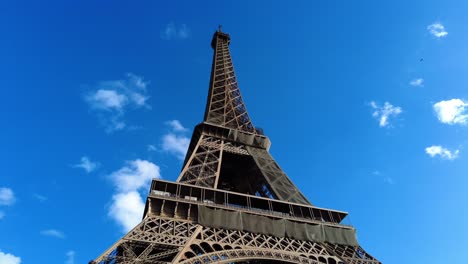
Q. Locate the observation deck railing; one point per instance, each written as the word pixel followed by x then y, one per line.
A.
pixel 197 195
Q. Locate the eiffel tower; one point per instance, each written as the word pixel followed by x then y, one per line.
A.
pixel 232 203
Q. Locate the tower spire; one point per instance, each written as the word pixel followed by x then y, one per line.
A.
pixel 225 106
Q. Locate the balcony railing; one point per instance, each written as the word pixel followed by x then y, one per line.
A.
pixel 191 194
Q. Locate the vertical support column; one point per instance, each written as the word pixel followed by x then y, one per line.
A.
pixel 220 161
pixel 187 165
pixel 202 168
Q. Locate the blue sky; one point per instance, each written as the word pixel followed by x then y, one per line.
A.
pixel 365 104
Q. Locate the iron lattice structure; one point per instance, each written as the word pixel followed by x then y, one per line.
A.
pixel 231 201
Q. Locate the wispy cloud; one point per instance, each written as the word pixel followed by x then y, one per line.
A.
pixel 107 100
pixel 70 257
pixel 53 233
pixel 86 164
pixel 127 203
pixel 7 196
pixel 7 258
pixel 2 215
pixel 184 31
pixel 176 144
pixel 175 141
pixel 386 179
pixel 151 147
pixel 442 152
pixel 389 180
pixel 176 126
pixel 385 112
pixel 171 31
pixel 437 30
pixel 40 198
pixel 111 99
pixel 452 111
pixel 418 82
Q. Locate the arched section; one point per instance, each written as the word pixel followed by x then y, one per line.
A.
pixel 217 247
pixel 206 247
pixel 244 255
pixel 227 247
pixel 189 254
pixel 196 249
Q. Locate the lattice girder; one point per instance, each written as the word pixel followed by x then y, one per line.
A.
pixel 225 105
pixel 203 166
pixel 170 240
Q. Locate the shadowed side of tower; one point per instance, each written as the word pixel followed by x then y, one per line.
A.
pixel 232 202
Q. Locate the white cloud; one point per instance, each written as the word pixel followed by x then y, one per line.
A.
pixel 111 99
pixel 107 100
pixel 127 209
pixel 70 257
pixel 176 144
pixel 452 111
pixel 437 30
pixel 7 197
pixel 176 126
pixel 173 32
pixel 442 152
pixel 86 164
pixel 383 113
pixel 419 82
pixel 135 176
pixel 127 203
pixel 7 258
pixel 53 233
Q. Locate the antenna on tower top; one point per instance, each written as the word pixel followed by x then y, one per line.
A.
pixel 219 28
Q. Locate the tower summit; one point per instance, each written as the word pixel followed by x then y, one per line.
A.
pixel 225 106
pixel 232 203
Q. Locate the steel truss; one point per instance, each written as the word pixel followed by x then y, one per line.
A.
pixel 204 161
pixel 170 240
pixel 225 106
pixel 203 166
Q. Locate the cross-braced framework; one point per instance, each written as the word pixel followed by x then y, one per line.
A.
pixel 204 165
pixel 213 151
pixel 167 240
pixel 225 106
pixel 232 202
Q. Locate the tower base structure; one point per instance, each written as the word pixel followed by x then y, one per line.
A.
pixel 192 224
